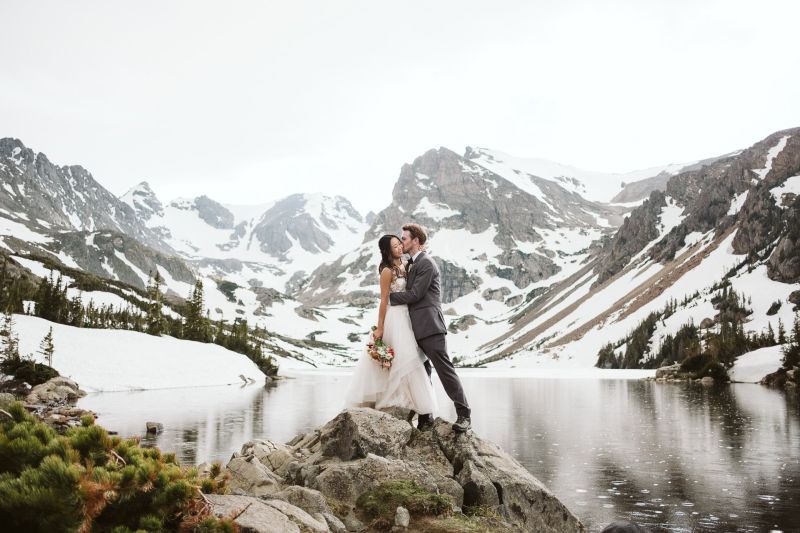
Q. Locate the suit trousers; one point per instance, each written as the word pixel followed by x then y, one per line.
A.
pixel 435 348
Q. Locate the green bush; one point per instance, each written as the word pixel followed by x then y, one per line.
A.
pixel 27 370
pixel 383 501
pixel 696 363
pixel 90 481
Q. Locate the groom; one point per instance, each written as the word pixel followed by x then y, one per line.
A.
pixel 422 295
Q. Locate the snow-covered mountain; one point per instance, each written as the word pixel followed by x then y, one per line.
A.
pixel 538 267
pixel 275 243
pixel 605 187
pixel 733 222
pixel 496 236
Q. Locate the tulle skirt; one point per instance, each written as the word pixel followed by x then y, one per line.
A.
pixel 405 384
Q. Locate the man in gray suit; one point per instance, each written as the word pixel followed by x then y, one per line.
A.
pixel 423 297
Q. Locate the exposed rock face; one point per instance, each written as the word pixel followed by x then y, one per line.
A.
pixel 99 253
pixel 455 281
pixel 290 219
pixel 637 230
pixel 633 192
pixel 707 196
pixel 213 213
pixel 784 262
pixel 361 448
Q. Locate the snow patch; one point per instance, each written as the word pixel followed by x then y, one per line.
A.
pixel 117 360
pixel 753 366
pixel 790 186
pixel 771 155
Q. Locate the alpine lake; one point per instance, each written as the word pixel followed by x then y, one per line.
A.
pixel 670 456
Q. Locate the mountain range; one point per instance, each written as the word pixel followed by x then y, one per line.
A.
pixel 542 264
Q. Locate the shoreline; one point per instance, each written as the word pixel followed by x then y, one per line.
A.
pixel 529 373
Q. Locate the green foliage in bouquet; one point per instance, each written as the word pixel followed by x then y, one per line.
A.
pixel 90 481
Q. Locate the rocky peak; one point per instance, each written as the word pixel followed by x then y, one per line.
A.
pixel 143 201
pixel 213 213
pixel 311 221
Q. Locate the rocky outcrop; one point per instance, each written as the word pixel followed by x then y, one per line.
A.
pixel 108 254
pixel 55 391
pixel 784 261
pixel 638 190
pixel 636 231
pixel 315 481
pixel 52 401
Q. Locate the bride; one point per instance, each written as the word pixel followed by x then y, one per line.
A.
pixel 406 383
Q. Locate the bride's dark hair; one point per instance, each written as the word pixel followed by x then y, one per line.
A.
pixel 385 246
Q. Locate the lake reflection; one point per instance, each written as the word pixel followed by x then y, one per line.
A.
pixel 674 457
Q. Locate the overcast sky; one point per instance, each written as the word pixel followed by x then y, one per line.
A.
pixel 250 101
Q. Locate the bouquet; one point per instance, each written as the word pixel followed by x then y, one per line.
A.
pixel 381 352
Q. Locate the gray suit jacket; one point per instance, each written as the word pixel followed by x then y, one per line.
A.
pixel 423 297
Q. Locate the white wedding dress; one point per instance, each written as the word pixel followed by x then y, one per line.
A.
pixel 406 383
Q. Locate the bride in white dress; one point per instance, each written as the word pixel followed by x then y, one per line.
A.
pixel 406 383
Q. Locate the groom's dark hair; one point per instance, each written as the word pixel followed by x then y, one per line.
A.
pixel 417 232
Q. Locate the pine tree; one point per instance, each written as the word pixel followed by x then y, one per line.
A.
pixel 155 318
pixel 46 347
pixel 9 339
pixel 781 333
pixel 770 336
pixel 195 325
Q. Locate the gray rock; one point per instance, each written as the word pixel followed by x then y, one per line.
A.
pixel 707 380
pixel 56 390
pixel 305 521
pixel 155 427
pixel 309 500
pixel 252 515
pixel 707 323
pixel 402 518
pixel 362 448
pixel 666 372
pixel 355 433
pixel 249 476
pixel 462 323
pixel 523 500
pixel 334 524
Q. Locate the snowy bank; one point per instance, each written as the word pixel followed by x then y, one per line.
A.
pixel 118 360
pixel 751 367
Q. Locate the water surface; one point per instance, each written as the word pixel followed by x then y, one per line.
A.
pixel 675 457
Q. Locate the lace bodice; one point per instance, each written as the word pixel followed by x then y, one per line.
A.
pixel 398 282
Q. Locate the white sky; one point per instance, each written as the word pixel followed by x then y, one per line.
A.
pixel 250 101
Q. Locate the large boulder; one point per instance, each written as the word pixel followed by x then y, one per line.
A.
pixel 249 476
pixel 355 433
pixel 254 515
pixel 323 473
pixel 55 391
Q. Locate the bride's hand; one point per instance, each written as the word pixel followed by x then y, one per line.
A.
pixel 377 333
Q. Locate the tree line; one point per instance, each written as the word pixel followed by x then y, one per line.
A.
pixel 702 352
pixel 191 321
